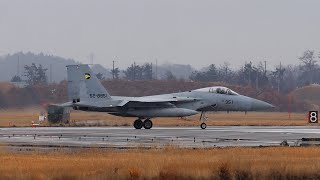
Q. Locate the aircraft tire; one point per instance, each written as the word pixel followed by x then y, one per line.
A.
pixel 203 125
pixel 138 124
pixel 147 124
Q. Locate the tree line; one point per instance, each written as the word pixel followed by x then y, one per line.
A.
pixel 284 78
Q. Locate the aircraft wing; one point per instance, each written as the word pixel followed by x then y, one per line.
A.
pixel 175 99
pixel 132 102
pixel 96 104
pixel 159 102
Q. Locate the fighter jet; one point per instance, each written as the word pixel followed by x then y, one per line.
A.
pixel 86 93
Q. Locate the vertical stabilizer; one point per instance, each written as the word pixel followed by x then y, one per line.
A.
pixel 83 85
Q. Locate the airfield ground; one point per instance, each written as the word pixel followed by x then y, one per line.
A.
pixel 167 163
pixel 24 117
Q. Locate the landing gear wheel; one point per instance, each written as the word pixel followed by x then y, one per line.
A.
pixel 147 124
pixel 138 124
pixel 203 125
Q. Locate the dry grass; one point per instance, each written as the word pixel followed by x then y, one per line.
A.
pixel 168 163
pixel 23 117
pixel 19 117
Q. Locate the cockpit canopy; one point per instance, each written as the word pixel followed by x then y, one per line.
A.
pixel 218 90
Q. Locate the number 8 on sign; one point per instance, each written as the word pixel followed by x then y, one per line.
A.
pixel 313 116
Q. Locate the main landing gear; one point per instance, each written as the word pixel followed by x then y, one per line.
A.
pixel 138 124
pixel 203 118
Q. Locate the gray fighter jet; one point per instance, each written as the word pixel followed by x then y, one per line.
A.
pixel 86 93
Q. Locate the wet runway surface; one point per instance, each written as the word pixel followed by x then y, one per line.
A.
pixel 127 137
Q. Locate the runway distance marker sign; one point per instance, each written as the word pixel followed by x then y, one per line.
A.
pixel 313 116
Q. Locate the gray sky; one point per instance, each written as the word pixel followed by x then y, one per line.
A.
pixel 198 32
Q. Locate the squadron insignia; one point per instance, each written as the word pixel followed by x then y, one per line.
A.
pixel 87 76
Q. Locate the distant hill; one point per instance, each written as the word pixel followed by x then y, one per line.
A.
pixel 180 71
pixel 13 64
pixel 9 65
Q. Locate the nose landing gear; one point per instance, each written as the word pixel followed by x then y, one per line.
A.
pixel 203 118
pixel 203 125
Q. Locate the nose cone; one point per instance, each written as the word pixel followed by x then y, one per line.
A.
pixel 257 105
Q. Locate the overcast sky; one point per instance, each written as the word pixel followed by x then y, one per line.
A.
pixel 198 32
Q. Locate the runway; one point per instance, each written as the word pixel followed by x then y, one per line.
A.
pixel 127 137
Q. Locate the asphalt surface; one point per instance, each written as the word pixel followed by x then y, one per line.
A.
pixel 127 137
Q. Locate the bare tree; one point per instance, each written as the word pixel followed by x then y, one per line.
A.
pixel 225 71
pixel 115 73
pixel 278 75
pixel 309 63
pixel 100 76
pixel 170 76
pixel 35 74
